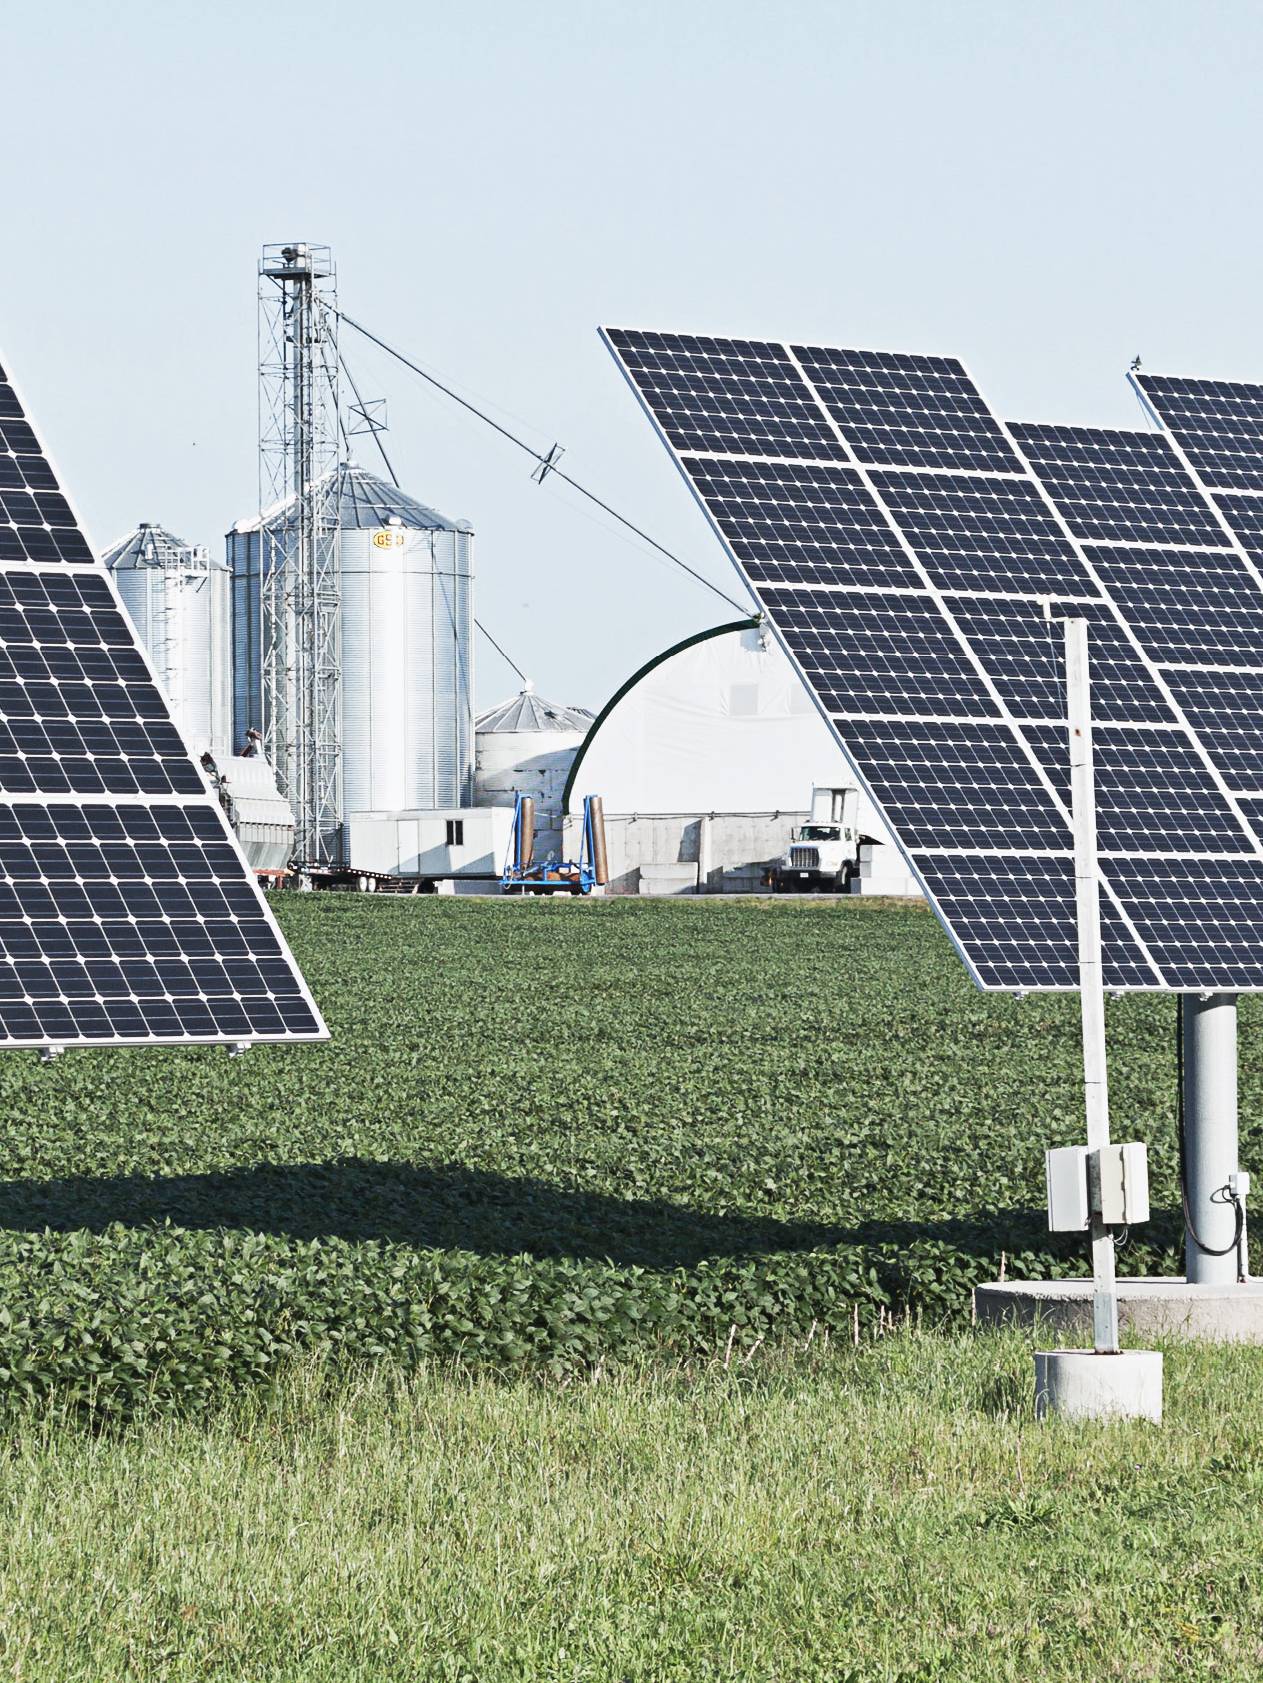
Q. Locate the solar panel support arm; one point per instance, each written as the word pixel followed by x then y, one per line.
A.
pixel 1091 979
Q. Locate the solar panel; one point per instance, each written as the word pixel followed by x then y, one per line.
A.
pixel 935 658
pixel 1198 611
pixel 127 913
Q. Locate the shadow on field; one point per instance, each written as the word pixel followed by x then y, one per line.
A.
pixel 449 1207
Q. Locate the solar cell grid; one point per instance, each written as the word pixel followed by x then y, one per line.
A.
pixel 1015 916
pixel 1153 792
pixel 1119 487
pixel 930 775
pixel 907 411
pixel 1217 423
pixel 735 396
pixel 1226 711
pixel 886 656
pixel 1202 919
pixel 150 900
pixel 1002 566
pixel 1202 608
pixel 1245 516
pixel 127 915
pixel 984 534
pixel 1021 650
pixel 801 523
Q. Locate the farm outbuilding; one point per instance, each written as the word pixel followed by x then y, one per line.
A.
pixel 706 759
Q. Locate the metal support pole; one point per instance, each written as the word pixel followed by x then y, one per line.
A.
pixel 1210 1135
pixel 1091 984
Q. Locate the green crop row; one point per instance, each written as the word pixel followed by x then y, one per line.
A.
pixel 550 1135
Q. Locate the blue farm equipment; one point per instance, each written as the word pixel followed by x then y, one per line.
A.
pixel 522 875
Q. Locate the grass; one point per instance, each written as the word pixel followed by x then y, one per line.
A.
pixel 886 1513
pixel 508 1337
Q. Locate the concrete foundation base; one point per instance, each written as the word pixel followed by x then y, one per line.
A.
pixel 1082 1385
pixel 1150 1308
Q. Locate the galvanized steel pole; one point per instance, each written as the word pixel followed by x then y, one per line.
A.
pixel 1091 981
pixel 1210 1137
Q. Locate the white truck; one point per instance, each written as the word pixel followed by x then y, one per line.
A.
pixel 824 853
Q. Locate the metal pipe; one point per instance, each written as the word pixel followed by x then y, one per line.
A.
pixel 600 855
pixel 526 832
pixel 1091 983
pixel 1210 1137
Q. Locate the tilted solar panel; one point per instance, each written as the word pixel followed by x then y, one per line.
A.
pixel 912 552
pixel 127 913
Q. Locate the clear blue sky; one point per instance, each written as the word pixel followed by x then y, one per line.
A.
pixel 1042 188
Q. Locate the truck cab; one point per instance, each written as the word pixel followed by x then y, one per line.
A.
pixel 823 854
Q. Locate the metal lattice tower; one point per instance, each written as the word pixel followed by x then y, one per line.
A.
pixel 298 560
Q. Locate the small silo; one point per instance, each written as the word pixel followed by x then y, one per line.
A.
pixel 406 644
pixel 178 597
pixel 527 745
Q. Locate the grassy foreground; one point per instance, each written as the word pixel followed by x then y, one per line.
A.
pixel 887 1513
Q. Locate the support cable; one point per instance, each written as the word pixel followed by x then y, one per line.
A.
pixel 546 464
pixel 394 479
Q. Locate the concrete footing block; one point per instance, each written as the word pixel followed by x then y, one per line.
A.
pixel 1086 1385
pixel 1152 1308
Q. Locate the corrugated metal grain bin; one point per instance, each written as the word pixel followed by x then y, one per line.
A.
pixel 406 642
pixel 178 599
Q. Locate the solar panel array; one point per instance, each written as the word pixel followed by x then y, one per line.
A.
pixel 127 913
pixel 914 554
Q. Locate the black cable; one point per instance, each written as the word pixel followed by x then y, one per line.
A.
pixel 1194 1235
pixel 375 430
pixel 543 462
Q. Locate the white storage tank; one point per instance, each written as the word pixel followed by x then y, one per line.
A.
pixel 406 640
pixel 178 597
pixel 527 746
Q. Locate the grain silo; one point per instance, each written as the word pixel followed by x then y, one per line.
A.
pixel 526 746
pixel 178 597
pixel 405 644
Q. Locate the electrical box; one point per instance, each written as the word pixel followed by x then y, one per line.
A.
pixel 1066 1170
pixel 1118 1176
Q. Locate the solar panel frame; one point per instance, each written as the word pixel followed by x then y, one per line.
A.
pixel 205 801
pixel 1145 976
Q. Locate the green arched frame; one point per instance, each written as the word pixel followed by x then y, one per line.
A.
pixel 750 624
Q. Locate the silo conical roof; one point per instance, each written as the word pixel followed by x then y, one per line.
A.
pixel 527 711
pixel 364 501
pixel 150 545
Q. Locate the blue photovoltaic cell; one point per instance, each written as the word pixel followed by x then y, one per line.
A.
pixel 1202 919
pixel 134 922
pixel 1024 654
pixel 907 411
pixel 1217 423
pixel 734 396
pixel 1226 711
pixel 1120 487
pixel 1245 515
pixel 864 653
pixel 127 914
pixel 929 777
pixel 1015 916
pixel 1154 793
pixel 949 698
pixel 1201 608
pixel 984 534
pixel 35 519
pixel 790 523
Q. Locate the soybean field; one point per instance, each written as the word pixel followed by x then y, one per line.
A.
pixel 555 1136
